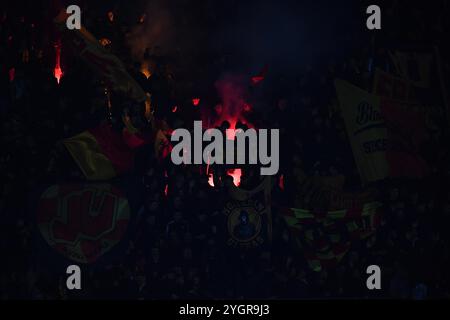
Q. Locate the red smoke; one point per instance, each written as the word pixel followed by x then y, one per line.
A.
pixel 232 91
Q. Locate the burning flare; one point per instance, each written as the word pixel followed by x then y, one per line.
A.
pixel 57 72
pixel 235 173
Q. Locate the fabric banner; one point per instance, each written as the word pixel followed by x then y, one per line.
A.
pixel 412 120
pixel 83 222
pixel 416 67
pixel 392 88
pixel 249 216
pixel 326 236
pixel 366 130
pixel 395 88
pixel 422 70
pixel 100 153
pixel 428 102
pixel 326 193
pixel 407 134
pixel 387 134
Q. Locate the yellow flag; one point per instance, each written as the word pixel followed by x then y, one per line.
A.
pixel 87 154
pixel 366 130
pixel 100 153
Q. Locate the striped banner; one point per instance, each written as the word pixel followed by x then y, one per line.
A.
pixel 326 236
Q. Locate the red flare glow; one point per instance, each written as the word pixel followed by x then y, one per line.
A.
pixel 236 174
pixel 233 109
pixel 207 166
pixel 211 180
pixel 281 182
pixel 231 133
pixel 57 72
pixel 196 101
pixel 174 109
pixel 257 79
pixel 247 107
pixel 132 140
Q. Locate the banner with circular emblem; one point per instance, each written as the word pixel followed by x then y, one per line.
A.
pixel 248 215
pixel 83 221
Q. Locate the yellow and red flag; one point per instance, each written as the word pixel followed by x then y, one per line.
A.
pixel 100 153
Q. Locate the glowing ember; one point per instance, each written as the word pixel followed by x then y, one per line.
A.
pixel 57 72
pixel 196 101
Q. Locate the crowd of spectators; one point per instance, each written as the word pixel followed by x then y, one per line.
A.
pixel 177 245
